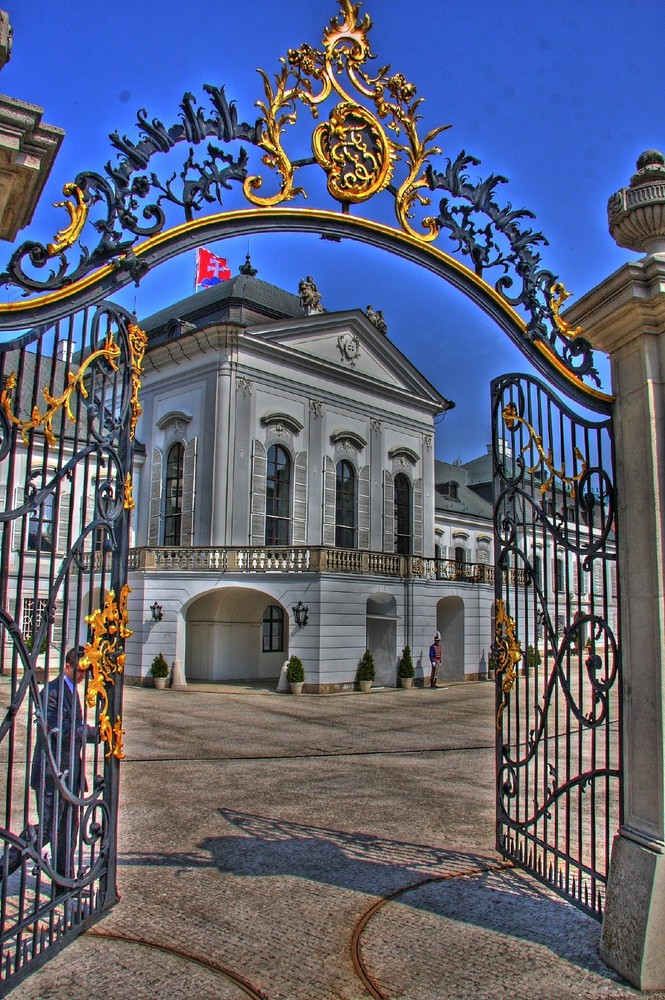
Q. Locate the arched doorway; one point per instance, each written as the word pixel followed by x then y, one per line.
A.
pixel 382 637
pixel 450 623
pixel 235 634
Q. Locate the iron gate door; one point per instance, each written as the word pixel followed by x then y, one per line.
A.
pixel 556 652
pixel 68 407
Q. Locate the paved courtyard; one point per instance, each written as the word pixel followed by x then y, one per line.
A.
pixel 320 848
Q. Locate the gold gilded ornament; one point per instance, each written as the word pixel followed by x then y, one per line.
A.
pixel 78 213
pixel 110 353
pixel 507 654
pixel 511 417
pixel 353 146
pixel 137 344
pixel 353 150
pixel 106 658
pixel 129 503
pixel 558 296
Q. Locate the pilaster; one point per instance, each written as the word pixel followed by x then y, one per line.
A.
pixel 625 317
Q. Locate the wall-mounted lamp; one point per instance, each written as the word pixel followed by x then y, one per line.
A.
pixel 300 614
pixel 156 611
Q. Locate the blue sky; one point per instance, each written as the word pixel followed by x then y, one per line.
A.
pixel 558 97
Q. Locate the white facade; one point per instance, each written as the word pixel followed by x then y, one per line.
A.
pixel 238 379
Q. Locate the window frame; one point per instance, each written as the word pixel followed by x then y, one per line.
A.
pixel 346 505
pixel 172 517
pixel 278 480
pixel 273 629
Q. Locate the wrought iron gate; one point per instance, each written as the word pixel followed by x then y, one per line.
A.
pixel 556 654
pixel 68 407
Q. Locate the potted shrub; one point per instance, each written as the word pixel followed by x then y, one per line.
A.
pixel 366 671
pixel 405 670
pixel 159 671
pixel 533 658
pixel 295 674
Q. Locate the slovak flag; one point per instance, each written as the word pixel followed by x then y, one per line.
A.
pixel 210 269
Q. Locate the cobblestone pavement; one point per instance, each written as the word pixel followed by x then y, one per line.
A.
pixel 320 848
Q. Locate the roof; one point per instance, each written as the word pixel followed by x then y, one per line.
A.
pixel 468 501
pixel 243 299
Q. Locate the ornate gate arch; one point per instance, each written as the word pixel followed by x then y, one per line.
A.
pixel 71 373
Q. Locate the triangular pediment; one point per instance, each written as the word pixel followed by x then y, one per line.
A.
pixel 350 345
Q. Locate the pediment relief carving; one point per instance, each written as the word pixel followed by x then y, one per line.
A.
pixel 403 456
pixel 348 440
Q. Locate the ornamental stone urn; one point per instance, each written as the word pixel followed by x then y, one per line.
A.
pixel 636 214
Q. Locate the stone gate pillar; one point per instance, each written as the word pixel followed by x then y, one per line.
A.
pixel 625 317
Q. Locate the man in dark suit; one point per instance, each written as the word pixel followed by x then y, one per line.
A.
pixel 66 733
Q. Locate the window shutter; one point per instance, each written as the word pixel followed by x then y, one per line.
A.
pixel 17 523
pixel 300 500
pixel 63 540
pixel 388 512
pixel 258 497
pixel 329 502
pixel 576 577
pixel 363 508
pixel 188 493
pixel 418 518
pixel 154 522
pixel 598 578
pixel 613 572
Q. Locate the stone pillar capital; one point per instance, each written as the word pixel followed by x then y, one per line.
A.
pixel 629 305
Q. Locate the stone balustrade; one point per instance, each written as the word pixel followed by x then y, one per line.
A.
pixel 304 559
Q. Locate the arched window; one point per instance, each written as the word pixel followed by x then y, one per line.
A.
pixel 345 506
pixel 173 495
pixel 273 629
pixel 402 515
pixel 278 496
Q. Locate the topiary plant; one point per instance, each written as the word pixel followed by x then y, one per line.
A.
pixel 366 671
pixel 533 658
pixel 406 663
pixel 295 672
pixel 160 667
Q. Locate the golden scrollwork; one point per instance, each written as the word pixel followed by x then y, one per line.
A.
pixel 106 658
pixel 137 344
pixel 78 213
pixel 511 417
pixel 353 146
pixel 109 352
pixel 507 654
pixel 558 296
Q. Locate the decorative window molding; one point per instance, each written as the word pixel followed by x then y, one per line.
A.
pixel 348 440
pixel 348 345
pixel 401 455
pixel 281 423
pixel 177 417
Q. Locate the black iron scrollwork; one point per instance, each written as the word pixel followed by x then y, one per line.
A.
pixel 124 191
pixel 485 242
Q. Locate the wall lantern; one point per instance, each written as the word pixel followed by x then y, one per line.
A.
pixel 300 614
pixel 156 611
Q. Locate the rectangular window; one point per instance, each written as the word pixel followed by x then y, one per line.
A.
pixel 33 612
pixel 273 630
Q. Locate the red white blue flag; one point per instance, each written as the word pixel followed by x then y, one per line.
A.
pixel 210 269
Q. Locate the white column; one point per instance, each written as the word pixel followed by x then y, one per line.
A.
pixel 625 317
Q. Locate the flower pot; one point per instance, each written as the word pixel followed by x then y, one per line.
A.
pixel 406 682
pixel 296 688
pixel 160 683
pixel 365 686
